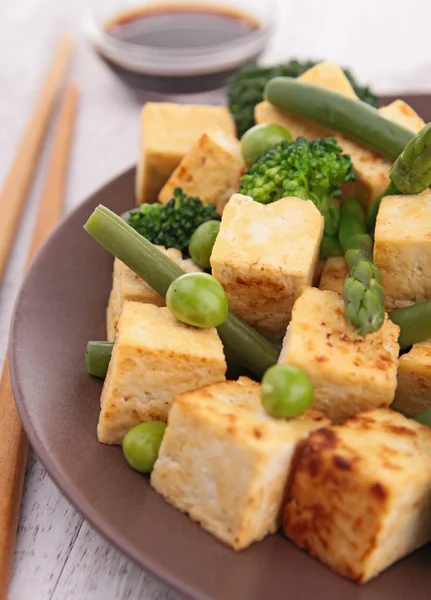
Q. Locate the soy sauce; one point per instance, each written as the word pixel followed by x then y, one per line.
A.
pixel 179 28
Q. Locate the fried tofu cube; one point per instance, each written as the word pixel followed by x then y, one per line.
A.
pixel 168 133
pixel 361 493
pixel 329 75
pixel 225 463
pixel 403 114
pixel 263 254
pixel 413 394
pixel 402 248
pixel 154 358
pixel 129 286
pixel 372 169
pixel 211 170
pixel 350 373
pixel 333 275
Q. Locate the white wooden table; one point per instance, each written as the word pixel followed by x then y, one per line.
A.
pixel 58 556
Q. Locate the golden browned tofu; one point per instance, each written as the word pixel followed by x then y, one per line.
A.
pixel 329 75
pixel 168 133
pixel 402 248
pixel 403 114
pixel 413 394
pixel 211 170
pixel 263 254
pixel 154 358
pixel 129 286
pixel 361 493
pixel 333 275
pixel 350 373
pixel 372 170
pixel 225 463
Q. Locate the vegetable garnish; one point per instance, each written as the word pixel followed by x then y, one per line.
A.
pixel 286 391
pixel 202 242
pixel 414 322
pixel 363 293
pixel 410 173
pixel 198 299
pixel 260 139
pixel 172 224
pixel 424 417
pixel 158 270
pixel 246 89
pixel 357 120
pixel 141 445
pixel 97 357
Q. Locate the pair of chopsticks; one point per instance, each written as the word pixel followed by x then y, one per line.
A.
pixel 13 443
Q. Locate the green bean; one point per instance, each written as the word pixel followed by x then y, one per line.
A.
pixel 158 270
pixel 97 357
pixel 357 120
pixel 414 322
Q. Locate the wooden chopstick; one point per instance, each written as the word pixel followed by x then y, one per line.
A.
pixel 13 443
pixel 22 170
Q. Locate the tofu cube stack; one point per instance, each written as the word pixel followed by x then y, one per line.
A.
pixel 211 170
pixel 126 285
pixel 225 463
pixel 169 132
pixel 360 496
pixel 350 373
pixel 154 358
pixel 262 256
pixel 372 170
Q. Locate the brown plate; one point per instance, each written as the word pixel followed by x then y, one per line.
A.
pixel 62 305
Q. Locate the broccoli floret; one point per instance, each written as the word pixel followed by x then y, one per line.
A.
pixel 172 224
pixel 245 89
pixel 312 170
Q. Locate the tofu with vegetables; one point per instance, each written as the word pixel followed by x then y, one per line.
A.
pixel 349 372
pixel 211 170
pixel 129 286
pixel 263 254
pixel 402 248
pixel 361 493
pixel 154 358
pixel 225 463
pixel 168 133
pixel 372 170
pixel 333 274
pixel 413 393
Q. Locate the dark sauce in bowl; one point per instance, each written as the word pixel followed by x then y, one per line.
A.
pixel 180 48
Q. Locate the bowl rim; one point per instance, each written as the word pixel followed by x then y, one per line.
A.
pixel 177 62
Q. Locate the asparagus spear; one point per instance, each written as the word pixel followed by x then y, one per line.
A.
pixel 410 173
pixel 158 270
pixel 362 292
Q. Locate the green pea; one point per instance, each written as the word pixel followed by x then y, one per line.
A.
pixel 202 242
pixel 141 445
pixel 261 138
pixel 286 391
pixel 197 299
pixel 424 417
